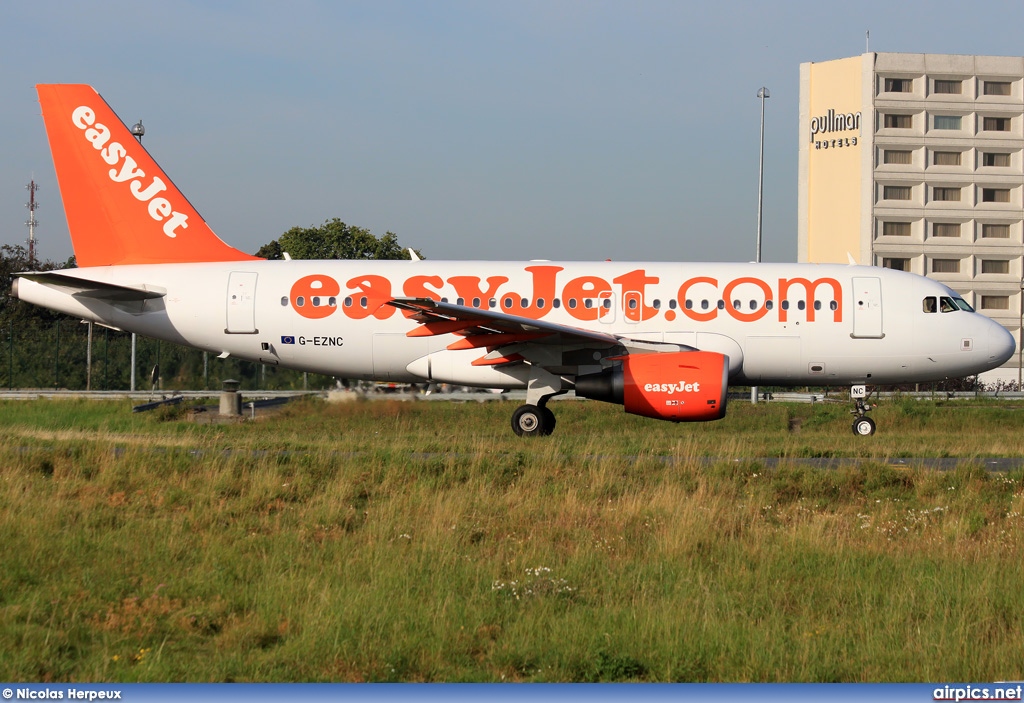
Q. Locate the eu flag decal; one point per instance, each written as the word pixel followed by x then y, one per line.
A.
pixel 288 339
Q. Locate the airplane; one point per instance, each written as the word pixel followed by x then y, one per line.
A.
pixel 664 340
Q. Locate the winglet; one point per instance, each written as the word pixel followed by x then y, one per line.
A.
pixel 121 207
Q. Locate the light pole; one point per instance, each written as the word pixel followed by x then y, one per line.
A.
pixel 763 95
pixel 1020 337
pixel 137 131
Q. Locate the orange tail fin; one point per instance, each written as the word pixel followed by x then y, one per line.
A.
pixel 121 207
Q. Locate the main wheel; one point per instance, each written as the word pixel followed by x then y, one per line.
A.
pixel 863 426
pixel 532 421
pixel 547 421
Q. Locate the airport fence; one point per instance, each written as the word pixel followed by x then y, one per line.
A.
pixel 59 355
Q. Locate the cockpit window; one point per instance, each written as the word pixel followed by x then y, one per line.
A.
pixel 929 305
pixel 963 304
pixel 946 304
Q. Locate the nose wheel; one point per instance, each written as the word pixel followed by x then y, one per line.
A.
pixel 863 426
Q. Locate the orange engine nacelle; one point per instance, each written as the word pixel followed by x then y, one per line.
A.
pixel 676 386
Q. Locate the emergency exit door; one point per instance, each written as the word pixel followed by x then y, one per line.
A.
pixel 241 303
pixel 867 308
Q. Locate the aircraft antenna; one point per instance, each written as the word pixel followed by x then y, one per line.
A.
pixel 32 204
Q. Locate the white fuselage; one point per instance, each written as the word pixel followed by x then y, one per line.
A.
pixel 779 324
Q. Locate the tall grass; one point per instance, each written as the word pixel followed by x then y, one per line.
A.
pixel 424 542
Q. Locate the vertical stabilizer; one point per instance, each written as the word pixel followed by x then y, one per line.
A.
pixel 121 207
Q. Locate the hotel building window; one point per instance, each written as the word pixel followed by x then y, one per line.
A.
pixel 948 87
pixel 995 302
pixel 947 121
pixel 946 158
pixel 899 121
pixel 990 158
pixel 945 265
pixel 896 229
pixel 894 156
pixel 945 194
pixel 995 266
pixel 896 192
pixel 945 229
pixel 995 195
pixel 997 88
pixel 996 124
pixel 995 231
pixel 899 85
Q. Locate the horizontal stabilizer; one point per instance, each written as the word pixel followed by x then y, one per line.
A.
pixel 84 288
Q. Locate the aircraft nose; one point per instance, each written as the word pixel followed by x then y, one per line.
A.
pixel 1000 343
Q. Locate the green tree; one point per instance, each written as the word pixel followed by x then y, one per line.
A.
pixel 334 240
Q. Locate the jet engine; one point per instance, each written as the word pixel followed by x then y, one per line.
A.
pixel 677 386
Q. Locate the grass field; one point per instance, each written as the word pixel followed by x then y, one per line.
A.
pixel 399 541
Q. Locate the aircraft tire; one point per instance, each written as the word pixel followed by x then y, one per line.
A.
pixel 532 421
pixel 548 421
pixel 864 427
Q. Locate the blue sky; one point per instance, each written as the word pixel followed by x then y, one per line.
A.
pixel 555 129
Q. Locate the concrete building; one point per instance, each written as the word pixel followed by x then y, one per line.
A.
pixel 914 162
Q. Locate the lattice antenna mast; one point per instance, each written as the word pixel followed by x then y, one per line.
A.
pixel 32 205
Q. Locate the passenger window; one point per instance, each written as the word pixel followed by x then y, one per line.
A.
pixel 785 305
pixel 769 304
pixel 721 305
pixel 736 305
pixel 524 303
pixel 572 303
pixel 507 303
pixel 800 305
pixel 556 303
pixel 284 301
pixel 362 302
pixel 656 304
pixel 300 301
pixel 672 304
pixel 632 303
pixel 753 305
pixel 689 305
pixel 817 305
pixel 540 303
pixel 588 303
pixel 833 305
pixel 607 304
pixel 703 305
pixel 492 303
pixel 348 302
pixel 476 302
pixel 332 301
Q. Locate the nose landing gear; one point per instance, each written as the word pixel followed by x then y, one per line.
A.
pixel 863 426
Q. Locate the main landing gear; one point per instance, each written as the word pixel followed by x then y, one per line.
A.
pixel 863 426
pixel 534 419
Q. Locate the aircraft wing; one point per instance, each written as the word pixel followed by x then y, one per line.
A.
pixel 488 328
pixel 85 288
